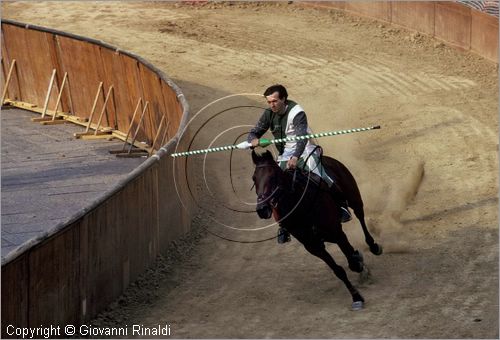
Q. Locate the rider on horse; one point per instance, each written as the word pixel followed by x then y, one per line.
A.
pixel 285 118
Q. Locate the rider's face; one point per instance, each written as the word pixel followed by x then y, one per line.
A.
pixel 275 103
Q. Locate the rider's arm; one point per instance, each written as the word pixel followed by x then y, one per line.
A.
pixel 260 128
pixel 300 123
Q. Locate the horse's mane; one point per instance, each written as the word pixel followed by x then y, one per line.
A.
pixel 298 180
pixel 263 158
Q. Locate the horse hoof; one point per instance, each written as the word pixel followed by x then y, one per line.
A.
pixel 376 249
pixel 356 262
pixel 357 305
pixel 365 276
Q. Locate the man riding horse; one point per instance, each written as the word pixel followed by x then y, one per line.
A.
pixel 285 118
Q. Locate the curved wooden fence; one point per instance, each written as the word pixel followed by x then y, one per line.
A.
pixel 69 274
pixel 456 24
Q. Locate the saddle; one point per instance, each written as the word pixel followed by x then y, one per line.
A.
pixel 304 178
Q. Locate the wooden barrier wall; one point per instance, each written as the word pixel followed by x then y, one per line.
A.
pixel 456 24
pixel 38 51
pixel 70 275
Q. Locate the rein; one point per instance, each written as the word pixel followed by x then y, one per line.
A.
pixel 273 201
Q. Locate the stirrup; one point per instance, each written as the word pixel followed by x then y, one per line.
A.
pixel 345 215
pixel 283 236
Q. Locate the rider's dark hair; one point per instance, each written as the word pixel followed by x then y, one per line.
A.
pixel 276 88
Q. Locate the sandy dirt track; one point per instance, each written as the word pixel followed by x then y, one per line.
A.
pixel 429 177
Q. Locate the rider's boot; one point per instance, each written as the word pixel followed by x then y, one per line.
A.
pixel 283 236
pixel 341 201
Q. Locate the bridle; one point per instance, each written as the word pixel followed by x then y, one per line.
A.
pixel 275 196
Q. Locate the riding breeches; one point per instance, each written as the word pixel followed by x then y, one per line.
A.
pixel 313 165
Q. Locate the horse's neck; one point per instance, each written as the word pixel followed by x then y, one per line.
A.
pixel 294 191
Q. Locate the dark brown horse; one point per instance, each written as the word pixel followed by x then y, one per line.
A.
pixel 310 214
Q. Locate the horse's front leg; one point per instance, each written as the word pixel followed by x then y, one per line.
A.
pixel 318 249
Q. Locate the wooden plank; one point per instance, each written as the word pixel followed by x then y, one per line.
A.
pixel 123 103
pixel 59 95
pixel 8 79
pixel 53 280
pixel 107 136
pixel 14 89
pixel 103 277
pixel 15 294
pixel 41 63
pixel 141 236
pixel 41 119
pixel 104 109
pixel 151 83
pixel 116 152
pixel 145 112
pixel 133 86
pixel 48 95
pixel 171 213
pixel 52 48
pixel 3 75
pixel 377 9
pixel 85 72
pixel 158 131
pixel 133 154
pixel 415 15
pixel 173 110
pixel 15 44
pixel 484 35
pixel 139 102
pixel 55 121
pixel 453 24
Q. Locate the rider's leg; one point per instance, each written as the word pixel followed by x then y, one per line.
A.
pixel 339 197
pixel 337 193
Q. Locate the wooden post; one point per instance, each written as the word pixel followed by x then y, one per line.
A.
pixel 78 134
pixel 103 109
pixel 7 81
pixel 157 134
pixel 165 134
pixel 72 110
pixel 136 154
pixel 129 129
pixel 51 84
pixel 58 120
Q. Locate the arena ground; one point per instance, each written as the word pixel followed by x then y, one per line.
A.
pixel 429 177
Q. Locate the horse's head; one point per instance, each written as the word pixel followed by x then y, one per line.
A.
pixel 267 182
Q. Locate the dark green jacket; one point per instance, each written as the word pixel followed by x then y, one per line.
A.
pixel 277 124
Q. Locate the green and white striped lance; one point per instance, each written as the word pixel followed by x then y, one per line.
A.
pixel 263 142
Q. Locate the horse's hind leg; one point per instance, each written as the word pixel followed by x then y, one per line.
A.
pixel 320 251
pixel 354 257
pixel 374 247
